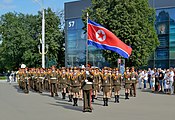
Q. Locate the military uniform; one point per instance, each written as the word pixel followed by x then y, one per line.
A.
pixel 20 81
pixel 35 77
pixel 87 89
pixel 127 80
pixel 75 85
pixel 46 81
pixel 41 80
pixel 30 76
pixel 25 81
pixel 53 83
pixel 96 79
pixel 116 83
pixel 106 87
pixel 81 78
pixel 133 78
pixel 63 84
pixel 69 75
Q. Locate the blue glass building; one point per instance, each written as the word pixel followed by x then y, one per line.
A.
pixel 75 39
pixel 164 56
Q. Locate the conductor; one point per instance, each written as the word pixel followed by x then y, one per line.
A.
pixel 87 90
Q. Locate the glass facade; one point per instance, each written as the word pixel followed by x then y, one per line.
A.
pixel 76 46
pixel 164 55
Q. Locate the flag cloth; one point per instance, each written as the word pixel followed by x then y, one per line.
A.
pixel 104 39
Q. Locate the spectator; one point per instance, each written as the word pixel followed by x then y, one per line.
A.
pixel 166 82
pixel 145 78
pixel 161 77
pixel 171 74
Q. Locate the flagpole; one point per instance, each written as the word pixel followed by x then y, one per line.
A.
pixel 87 43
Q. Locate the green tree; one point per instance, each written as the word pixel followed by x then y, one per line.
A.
pixel 132 21
pixel 20 36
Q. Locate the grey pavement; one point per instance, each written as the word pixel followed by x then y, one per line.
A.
pixel 3 81
pixel 15 105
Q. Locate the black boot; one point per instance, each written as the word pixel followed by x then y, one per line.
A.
pixel 93 98
pixel 127 95
pixel 117 98
pixel 74 101
pixel 70 99
pixel 63 95
pixel 104 100
pixel 56 94
pixel 130 93
pixel 51 94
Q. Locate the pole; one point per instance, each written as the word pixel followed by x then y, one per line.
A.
pixel 87 44
pixel 43 37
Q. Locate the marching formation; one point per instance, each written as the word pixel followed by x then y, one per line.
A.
pixel 70 81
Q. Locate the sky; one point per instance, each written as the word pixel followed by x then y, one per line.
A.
pixel 30 6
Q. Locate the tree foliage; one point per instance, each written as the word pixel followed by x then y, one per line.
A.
pixel 20 37
pixel 132 21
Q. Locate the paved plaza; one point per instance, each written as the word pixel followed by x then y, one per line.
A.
pixel 15 105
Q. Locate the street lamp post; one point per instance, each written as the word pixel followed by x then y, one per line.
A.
pixel 43 38
pixel 47 47
pixel 43 34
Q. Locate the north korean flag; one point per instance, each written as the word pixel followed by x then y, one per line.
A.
pixel 102 38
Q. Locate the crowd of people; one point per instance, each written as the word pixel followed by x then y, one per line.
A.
pixel 109 81
pixel 159 80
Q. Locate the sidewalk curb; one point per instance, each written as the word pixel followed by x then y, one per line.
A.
pixel 3 81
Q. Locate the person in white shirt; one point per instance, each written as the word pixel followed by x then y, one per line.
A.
pixel 145 78
pixel 166 82
pixel 140 78
pixel 153 81
pixel 171 75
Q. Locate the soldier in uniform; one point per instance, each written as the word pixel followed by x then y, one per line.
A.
pixel 116 83
pixel 134 78
pixel 106 86
pixel 41 78
pixel 46 80
pixel 35 79
pixel 69 75
pixel 81 78
pixel 20 74
pixel 53 81
pixel 25 81
pixel 29 78
pixel 87 89
pixel 75 85
pixel 127 80
pixel 96 79
pixel 63 82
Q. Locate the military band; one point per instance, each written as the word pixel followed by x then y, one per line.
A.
pixel 69 82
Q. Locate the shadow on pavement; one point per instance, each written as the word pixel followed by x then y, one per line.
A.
pixel 155 92
pixel 67 106
pixel 18 89
pixel 94 103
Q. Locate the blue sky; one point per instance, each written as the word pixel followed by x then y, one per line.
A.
pixel 30 6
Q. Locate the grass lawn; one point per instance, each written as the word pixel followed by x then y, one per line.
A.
pixel 3 77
